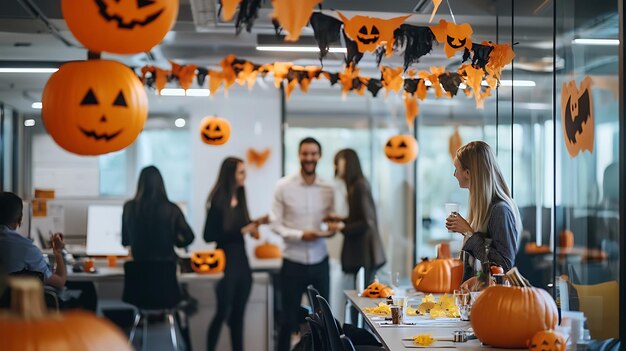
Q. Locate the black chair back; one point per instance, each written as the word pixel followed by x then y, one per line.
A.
pixel 151 285
pixel 318 333
pixel 347 343
pixel 332 332
pixel 312 293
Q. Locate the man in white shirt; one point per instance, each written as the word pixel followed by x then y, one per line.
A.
pixel 301 203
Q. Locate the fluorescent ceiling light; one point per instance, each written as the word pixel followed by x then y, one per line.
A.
pixel 29 122
pixel 589 41
pixel 293 48
pixel 38 105
pixel 27 70
pixel 515 83
pixel 181 92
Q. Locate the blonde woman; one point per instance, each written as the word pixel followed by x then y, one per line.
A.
pixel 492 212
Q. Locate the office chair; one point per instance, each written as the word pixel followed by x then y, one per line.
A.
pixel 152 287
pixel 50 296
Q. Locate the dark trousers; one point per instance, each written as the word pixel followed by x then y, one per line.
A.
pixel 294 278
pixel 232 293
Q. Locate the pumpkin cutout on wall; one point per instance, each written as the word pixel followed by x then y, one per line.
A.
pixel 455 37
pixel 214 130
pixel 120 26
pixel 94 107
pixel 267 251
pixel 28 326
pixel 547 340
pixel 208 261
pixel 369 33
pixel 377 290
pixel 401 148
pixel 577 116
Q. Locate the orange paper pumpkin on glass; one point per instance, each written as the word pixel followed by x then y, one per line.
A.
pixel 455 37
pixel 377 290
pixel 120 26
pixel 208 261
pixel 577 116
pixel 369 33
pixel 214 130
pixel 547 340
pixel 401 148
pixel 94 107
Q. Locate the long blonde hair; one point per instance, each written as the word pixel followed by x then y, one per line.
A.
pixel 486 184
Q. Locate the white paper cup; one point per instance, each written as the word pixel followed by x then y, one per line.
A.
pixel 451 207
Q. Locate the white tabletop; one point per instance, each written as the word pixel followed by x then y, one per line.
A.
pixel 396 338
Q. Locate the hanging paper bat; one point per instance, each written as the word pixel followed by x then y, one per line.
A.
pixel 370 33
pixel 455 37
pixel 577 116
pixel 257 158
pixel 293 15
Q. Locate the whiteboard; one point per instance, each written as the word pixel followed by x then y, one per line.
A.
pixel 104 231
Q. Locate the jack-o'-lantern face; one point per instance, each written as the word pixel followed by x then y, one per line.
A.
pixel 455 37
pixel 377 290
pixel 370 33
pixel 577 116
pixel 214 130
pixel 120 26
pixel 547 340
pixel 208 261
pixel 401 149
pixel 94 107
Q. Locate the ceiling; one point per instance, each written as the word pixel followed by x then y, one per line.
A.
pixel 33 32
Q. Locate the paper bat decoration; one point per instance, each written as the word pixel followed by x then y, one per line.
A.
pixel 577 116
pixel 326 30
pixel 293 15
pixel 436 4
pixel 258 158
pixel 370 33
pixel 374 86
pixel 228 9
pixel 455 37
pixel 415 41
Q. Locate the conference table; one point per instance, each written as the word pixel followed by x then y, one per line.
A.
pixel 400 337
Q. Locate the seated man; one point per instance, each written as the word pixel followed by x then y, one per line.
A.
pixel 19 253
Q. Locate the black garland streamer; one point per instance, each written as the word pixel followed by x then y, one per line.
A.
pixel 201 75
pixel 410 85
pixel 353 56
pixel 326 30
pixel 248 12
pixel 416 41
pixel 450 82
pixel 374 86
pixel 480 55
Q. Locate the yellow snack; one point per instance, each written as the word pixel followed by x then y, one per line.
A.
pixel 423 339
pixel 428 298
pixel 445 307
pixel 382 309
pixel 410 311
pixel 425 307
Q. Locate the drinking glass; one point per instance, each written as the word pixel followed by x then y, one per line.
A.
pixel 451 207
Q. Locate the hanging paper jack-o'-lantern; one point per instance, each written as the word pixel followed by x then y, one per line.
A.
pixel 120 26
pixel 370 33
pixel 208 261
pixel 214 130
pixel 94 107
pixel 401 148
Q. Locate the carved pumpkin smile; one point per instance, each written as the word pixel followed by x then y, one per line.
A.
pixel 127 22
pixel 461 42
pixel 368 38
pixel 208 262
pixel 95 135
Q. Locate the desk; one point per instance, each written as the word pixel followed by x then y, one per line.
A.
pixel 259 325
pixel 392 336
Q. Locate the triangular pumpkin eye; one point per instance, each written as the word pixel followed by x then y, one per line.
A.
pixel 90 98
pixel 402 144
pixel 375 30
pixel 363 30
pixel 120 100
pixel 218 129
pixel 388 144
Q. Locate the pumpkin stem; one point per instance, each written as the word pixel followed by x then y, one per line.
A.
pixel 92 55
pixel 516 279
pixel 27 298
pixel 443 250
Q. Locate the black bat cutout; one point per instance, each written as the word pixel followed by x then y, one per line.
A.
pixel 120 21
pixel 574 125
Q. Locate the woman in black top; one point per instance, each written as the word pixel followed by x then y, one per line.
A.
pixel 151 224
pixel 362 246
pixel 227 222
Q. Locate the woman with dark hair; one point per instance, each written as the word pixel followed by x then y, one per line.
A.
pixel 227 222
pixel 151 224
pixel 362 246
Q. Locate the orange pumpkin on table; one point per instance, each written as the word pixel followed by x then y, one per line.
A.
pixel 120 26
pixel 94 107
pixel 214 130
pixel 208 261
pixel 441 275
pixel 27 325
pixel 509 316
pixel 377 290
pixel 267 251
pixel 547 340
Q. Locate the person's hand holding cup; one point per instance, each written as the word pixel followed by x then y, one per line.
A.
pixel 452 209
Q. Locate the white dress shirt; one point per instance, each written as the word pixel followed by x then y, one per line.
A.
pixel 299 207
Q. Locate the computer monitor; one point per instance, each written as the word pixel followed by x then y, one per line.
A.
pixel 104 231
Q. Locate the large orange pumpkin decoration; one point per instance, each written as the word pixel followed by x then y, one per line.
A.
pixel 208 261
pixel 267 251
pixel 441 275
pixel 547 340
pixel 509 316
pixel 120 26
pixel 401 148
pixel 377 290
pixel 27 325
pixel 214 130
pixel 94 107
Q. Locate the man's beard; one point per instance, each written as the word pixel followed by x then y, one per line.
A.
pixel 304 168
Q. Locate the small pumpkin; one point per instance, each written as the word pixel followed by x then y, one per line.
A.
pixel 523 309
pixel 566 239
pixel 208 261
pixel 214 130
pixel 267 251
pixel 94 107
pixel 547 340
pixel 441 275
pixel 377 290
pixel 27 325
pixel 401 148
pixel 120 26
